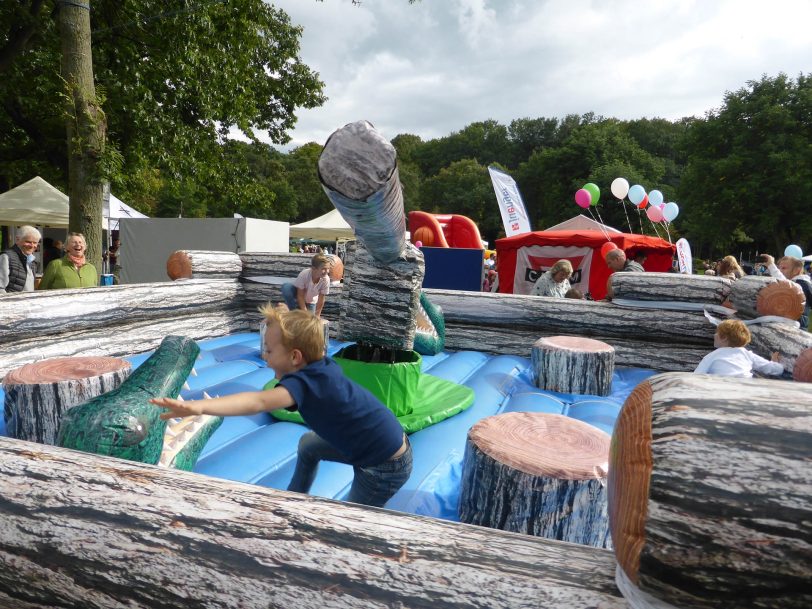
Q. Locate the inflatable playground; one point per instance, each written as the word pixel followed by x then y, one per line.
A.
pixel 651 486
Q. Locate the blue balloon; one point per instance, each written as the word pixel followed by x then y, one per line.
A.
pixel 636 194
pixel 794 251
pixel 655 197
pixel 670 211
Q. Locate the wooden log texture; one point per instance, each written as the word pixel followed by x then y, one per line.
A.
pixel 744 294
pixel 802 371
pixel 39 314
pixel 709 486
pixel 536 473
pixel 782 298
pixel 572 364
pixel 200 264
pixel 358 169
pixel 37 395
pixel 275 264
pixel 379 302
pixel 81 530
pixel 789 341
pixel 134 337
pixel 671 287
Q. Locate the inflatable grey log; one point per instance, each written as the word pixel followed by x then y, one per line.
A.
pixel 358 170
pixel 709 487
pixel 80 530
pixel 705 289
pixel 744 294
pixel 116 321
pixel 276 264
pixel 202 264
pixel 790 341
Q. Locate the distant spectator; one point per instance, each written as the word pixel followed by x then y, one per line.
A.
pixel 554 282
pixel 640 257
pixel 792 269
pixel 72 271
pixel 16 272
pixel 616 260
pixel 490 277
pixel 574 293
pixel 490 262
pixel 729 268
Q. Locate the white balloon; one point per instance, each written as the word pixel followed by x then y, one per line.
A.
pixel 620 188
pixel 670 211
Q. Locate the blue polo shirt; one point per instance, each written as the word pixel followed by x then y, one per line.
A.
pixel 349 417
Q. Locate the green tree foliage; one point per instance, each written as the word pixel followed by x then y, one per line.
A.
pixel 749 164
pixel 486 142
pixel 178 77
pixel 301 169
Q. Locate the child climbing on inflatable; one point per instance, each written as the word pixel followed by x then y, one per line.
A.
pixel 731 358
pixel 310 289
pixel 349 424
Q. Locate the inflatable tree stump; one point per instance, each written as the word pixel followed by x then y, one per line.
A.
pixel 540 474
pixel 571 364
pixel 37 395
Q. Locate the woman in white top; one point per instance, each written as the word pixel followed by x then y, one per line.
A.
pixel 554 282
pixel 731 358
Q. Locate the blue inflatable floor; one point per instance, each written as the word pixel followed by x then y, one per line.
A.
pixel 261 450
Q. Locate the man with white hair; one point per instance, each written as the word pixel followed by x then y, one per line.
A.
pixel 16 274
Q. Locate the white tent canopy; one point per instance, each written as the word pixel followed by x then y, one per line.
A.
pixel 581 222
pixel 329 227
pixel 34 202
pixel 38 203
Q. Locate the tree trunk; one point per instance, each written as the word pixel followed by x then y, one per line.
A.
pixel 38 395
pixel 671 287
pixel 86 128
pixel 541 474
pixel 709 486
pixel 571 364
pixel 81 530
pixel 199 264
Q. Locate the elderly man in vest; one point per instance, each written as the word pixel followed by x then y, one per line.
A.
pixel 16 274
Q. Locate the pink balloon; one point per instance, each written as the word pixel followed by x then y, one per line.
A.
pixel 583 198
pixel 654 214
pixel 661 206
pixel 418 244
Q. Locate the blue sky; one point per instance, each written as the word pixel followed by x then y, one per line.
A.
pixel 434 67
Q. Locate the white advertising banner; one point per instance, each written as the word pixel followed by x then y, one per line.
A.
pixel 684 258
pixel 514 215
pixel 533 260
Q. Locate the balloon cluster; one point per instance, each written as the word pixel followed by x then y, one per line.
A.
pixel 588 195
pixel 656 209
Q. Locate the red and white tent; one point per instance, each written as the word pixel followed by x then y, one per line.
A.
pixel 524 257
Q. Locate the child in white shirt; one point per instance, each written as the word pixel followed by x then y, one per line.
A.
pixel 731 358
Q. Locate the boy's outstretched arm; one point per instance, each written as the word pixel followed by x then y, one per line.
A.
pixel 249 402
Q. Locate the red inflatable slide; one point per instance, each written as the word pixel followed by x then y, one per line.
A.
pixel 444 230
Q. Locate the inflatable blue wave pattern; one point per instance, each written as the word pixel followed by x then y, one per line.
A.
pixel 261 450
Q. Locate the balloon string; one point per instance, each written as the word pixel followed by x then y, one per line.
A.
pixel 603 229
pixel 623 203
pixel 603 226
pixel 639 217
pixel 668 232
pixel 654 226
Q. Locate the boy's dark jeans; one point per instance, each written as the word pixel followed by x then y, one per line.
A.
pixel 289 295
pixel 373 485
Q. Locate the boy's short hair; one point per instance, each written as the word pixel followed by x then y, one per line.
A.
pixel 735 332
pixel 320 260
pixel 299 330
pixel 574 293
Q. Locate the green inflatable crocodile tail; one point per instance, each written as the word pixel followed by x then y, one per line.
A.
pixel 122 423
pixel 429 337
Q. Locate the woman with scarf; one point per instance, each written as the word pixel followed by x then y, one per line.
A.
pixel 72 270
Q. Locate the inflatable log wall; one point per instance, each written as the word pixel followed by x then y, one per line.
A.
pixel 82 530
